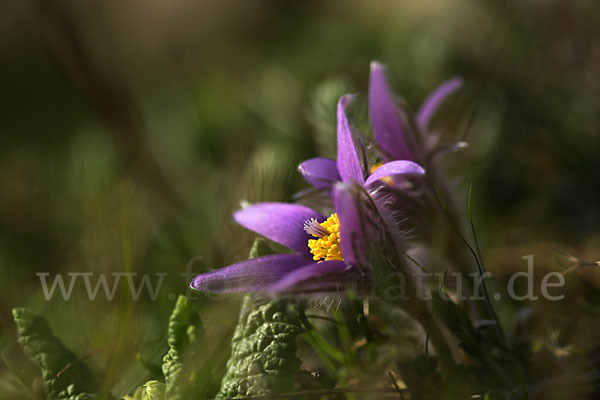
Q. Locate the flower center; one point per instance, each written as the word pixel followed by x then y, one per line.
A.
pixel 388 180
pixel 327 245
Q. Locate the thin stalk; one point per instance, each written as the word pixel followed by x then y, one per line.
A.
pixel 481 269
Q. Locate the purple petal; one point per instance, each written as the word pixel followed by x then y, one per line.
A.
pixel 323 270
pixel 320 172
pixel 280 222
pixel 401 167
pixel 331 283
pixel 434 100
pixel 249 275
pixel 352 229
pixel 348 163
pixel 390 131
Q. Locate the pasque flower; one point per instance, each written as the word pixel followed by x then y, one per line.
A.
pixel 327 248
pixel 393 134
pixel 322 173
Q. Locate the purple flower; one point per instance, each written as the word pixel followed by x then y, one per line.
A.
pixel 390 126
pixel 324 248
pixel 323 173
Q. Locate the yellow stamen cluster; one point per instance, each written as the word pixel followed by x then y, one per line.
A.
pixel 327 246
pixel 387 179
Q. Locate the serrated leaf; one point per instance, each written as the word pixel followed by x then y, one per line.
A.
pixel 263 347
pixel 185 339
pixel 64 374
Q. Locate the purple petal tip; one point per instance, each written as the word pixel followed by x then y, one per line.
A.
pixel 376 65
pixel 345 100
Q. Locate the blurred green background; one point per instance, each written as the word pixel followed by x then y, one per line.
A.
pixel 131 130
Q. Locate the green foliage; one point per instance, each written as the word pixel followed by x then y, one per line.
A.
pixel 263 347
pixel 64 374
pixel 263 350
pixel 185 339
pixel 260 247
pixel 152 390
pixel 66 377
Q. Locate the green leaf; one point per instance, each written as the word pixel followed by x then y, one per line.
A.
pixel 64 374
pixel 263 348
pixel 152 390
pixel 260 247
pixel 185 339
